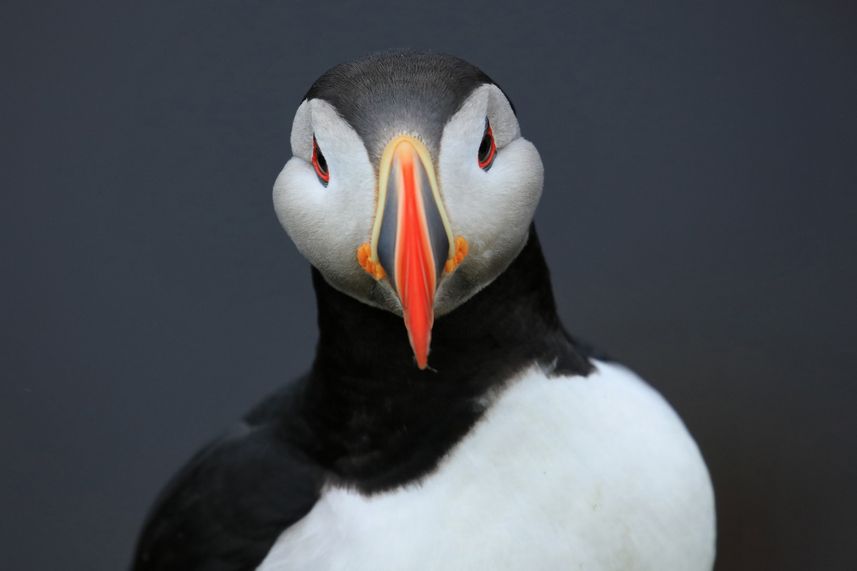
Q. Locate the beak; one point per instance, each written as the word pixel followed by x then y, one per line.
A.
pixel 411 239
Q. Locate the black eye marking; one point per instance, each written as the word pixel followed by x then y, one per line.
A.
pixel 319 163
pixel 487 148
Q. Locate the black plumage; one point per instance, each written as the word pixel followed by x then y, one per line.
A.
pixel 364 416
pixel 398 91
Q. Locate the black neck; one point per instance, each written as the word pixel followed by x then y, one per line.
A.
pixel 381 420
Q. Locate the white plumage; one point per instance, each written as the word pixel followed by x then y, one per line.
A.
pixel 590 473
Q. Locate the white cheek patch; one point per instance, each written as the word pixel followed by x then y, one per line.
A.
pixel 327 224
pixel 491 209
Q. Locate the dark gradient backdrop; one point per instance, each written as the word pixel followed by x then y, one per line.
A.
pixel 699 216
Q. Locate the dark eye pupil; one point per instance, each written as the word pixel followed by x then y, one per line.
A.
pixel 319 163
pixel 484 147
pixel 322 162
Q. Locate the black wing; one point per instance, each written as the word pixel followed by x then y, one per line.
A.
pixel 226 507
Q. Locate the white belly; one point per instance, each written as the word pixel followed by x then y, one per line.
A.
pixel 594 473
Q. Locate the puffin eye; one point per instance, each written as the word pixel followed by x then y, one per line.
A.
pixel 487 148
pixel 319 163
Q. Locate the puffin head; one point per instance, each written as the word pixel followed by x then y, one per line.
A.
pixel 410 187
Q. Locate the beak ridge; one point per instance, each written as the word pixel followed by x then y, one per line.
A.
pixel 412 244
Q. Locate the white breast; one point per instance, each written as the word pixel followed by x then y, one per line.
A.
pixel 594 473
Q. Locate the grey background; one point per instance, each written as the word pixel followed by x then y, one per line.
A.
pixel 699 217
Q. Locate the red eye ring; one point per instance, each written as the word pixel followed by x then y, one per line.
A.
pixel 487 148
pixel 319 163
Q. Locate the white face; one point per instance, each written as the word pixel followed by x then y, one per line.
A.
pixel 490 208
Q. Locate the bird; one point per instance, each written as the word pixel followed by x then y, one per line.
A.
pixel 448 420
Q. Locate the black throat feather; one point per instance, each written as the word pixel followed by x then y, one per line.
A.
pixel 365 416
pixel 371 419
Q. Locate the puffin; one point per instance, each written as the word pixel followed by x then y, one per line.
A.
pixel 448 420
